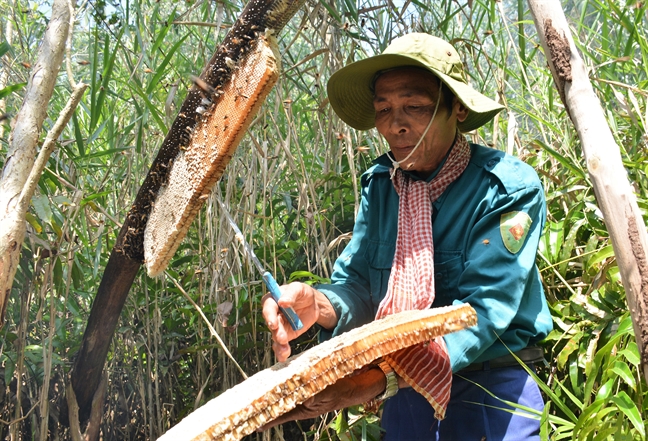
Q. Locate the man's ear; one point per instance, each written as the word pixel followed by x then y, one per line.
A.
pixel 461 110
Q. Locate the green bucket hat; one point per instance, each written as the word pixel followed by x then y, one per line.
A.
pixel 350 88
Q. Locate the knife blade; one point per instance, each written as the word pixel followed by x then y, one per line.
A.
pixel 290 314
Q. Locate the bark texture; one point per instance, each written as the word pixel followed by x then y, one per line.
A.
pixel 22 147
pixel 612 187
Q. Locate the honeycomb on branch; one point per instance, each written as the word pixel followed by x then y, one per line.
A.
pixel 274 391
pixel 226 113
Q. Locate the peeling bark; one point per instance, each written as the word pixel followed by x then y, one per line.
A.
pixel 560 55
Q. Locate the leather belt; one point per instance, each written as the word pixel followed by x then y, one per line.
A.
pixel 528 355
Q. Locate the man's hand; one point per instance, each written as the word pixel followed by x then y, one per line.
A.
pixel 348 391
pixel 310 305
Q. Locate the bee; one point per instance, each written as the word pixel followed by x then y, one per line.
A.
pixel 229 62
pixel 236 41
pixel 206 101
pixel 202 84
pixel 200 110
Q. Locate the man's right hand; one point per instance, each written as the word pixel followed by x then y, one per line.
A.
pixel 310 305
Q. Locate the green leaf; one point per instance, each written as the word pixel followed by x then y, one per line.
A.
pixel 10 89
pixel 331 10
pixel 340 424
pixel 628 407
pixel 42 208
pixel 572 345
pixel 102 153
pixel 34 223
pixel 605 390
pixel 602 254
pixel 623 371
pixel 4 48
pixel 159 71
pixel 109 61
pixel 631 353
pixel 9 367
pixel 78 136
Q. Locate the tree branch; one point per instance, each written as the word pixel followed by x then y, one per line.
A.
pixel 48 146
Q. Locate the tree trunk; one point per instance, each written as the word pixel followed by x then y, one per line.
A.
pixel 22 148
pixel 611 185
pixel 128 252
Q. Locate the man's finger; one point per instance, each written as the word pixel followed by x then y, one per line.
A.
pixel 270 312
pixel 282 351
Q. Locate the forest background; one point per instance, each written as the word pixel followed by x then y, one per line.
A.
pixel 293 187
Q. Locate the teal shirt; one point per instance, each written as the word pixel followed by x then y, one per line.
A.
pixel 471 263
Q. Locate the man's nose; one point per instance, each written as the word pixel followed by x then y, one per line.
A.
pixel 400 122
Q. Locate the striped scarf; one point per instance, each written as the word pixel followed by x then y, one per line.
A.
pixel 425 367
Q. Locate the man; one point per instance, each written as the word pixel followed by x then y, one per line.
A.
pixel 441 222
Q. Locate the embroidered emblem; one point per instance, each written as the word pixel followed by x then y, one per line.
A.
pixel 514 227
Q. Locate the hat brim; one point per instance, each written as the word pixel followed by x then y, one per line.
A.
pixel 350 94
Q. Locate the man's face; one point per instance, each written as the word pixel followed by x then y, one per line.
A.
pixel 404 102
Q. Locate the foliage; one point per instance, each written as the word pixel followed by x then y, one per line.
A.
pixel 293 188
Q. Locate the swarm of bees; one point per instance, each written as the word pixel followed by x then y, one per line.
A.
pixel 200 102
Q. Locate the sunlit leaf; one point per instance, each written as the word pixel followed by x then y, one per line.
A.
pixel 625 404
pixel 10 89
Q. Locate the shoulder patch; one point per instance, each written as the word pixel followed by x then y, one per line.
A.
pixel 514 228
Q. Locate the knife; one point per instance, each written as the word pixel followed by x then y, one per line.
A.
pixel 271 283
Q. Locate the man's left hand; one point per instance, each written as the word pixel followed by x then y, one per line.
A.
pixel 348 391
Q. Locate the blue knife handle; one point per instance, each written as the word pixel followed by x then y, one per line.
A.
pixel 275 292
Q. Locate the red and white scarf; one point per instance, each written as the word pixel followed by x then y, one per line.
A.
pixel 425 367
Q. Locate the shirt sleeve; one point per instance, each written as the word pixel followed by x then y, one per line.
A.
pixel 349 290
pixel 501 282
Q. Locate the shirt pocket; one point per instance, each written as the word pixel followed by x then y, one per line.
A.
pixel 379 256
pixel 448 266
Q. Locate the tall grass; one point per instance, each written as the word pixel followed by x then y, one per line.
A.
pixel 293 189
